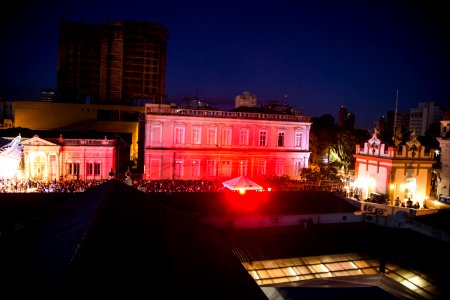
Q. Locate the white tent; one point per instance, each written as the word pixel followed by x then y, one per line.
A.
pixel 242 182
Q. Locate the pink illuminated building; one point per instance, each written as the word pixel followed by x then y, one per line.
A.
pixel 214 144
pixel 66 159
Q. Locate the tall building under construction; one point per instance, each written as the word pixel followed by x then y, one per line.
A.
pixel 112 63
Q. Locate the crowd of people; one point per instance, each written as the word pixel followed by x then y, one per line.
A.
pixel 154 186
pixel 30 186
pixel 408 203
pixel 73 186
pixel 169 186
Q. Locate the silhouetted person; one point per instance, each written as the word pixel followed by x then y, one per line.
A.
pixel 409 203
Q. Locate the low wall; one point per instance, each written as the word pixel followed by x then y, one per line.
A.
pixel 260 221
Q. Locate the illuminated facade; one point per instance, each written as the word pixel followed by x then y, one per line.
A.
pixel 115 120
pixel 66 159
pixel 207 144
pixel 404 173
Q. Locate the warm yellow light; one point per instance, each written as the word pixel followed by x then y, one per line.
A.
pixel 242 191
pixel 392 186
pixel 361 182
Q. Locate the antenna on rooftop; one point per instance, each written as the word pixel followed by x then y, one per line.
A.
pixel 396 107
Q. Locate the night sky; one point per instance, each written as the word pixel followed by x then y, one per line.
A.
pixel 313 55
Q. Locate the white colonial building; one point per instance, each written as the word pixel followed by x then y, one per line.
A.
pixel 66 159
pixel 403 172
pixel 211 144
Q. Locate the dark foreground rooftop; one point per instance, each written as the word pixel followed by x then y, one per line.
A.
pixel 115 240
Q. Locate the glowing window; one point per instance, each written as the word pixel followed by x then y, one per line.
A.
pixel 243 137
pixel 226 138
pixel 410 187
pixel 298 166
pixel 76 168
pixel 226 168
pixel 280 139
pixel 196 136
pixel 179 135
pixel 263 138
pixel 212 168
pixel 298 139
pixel 179 168
pixel 156 135
pixel 155 168
pixel 261 168
pixel 212 136
pixel 195 169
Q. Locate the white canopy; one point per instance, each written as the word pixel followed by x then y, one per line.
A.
pixel 242 182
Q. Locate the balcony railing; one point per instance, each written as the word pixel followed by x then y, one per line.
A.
pixel 225 114
pixel 76 142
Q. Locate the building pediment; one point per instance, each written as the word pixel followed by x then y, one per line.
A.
pixel 36 141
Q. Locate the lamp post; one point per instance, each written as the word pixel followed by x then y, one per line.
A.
pixel 218 161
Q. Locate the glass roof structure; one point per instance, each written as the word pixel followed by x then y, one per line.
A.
pixel 303 269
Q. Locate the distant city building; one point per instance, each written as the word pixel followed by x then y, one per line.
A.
pixel 423 116
pixel 346 119
pixel 6 114
pixel 48 95
pixel 381 124
pixel 214 144
pixel 342 115
pixel 245 99
pixel 401 120
pixel 112 63
pixel 195 104
pixel 6 109
pixel 350 120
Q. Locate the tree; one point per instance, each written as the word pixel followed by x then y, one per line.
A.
pixel 342 150
pixel 337 145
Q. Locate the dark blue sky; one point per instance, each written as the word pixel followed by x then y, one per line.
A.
pixel 314 55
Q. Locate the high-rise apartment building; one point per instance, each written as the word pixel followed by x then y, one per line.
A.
pixel 423 116
pixel 399 119
pixel 341 116
pixel 346 119
pixel 245 99
pixel 114 63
